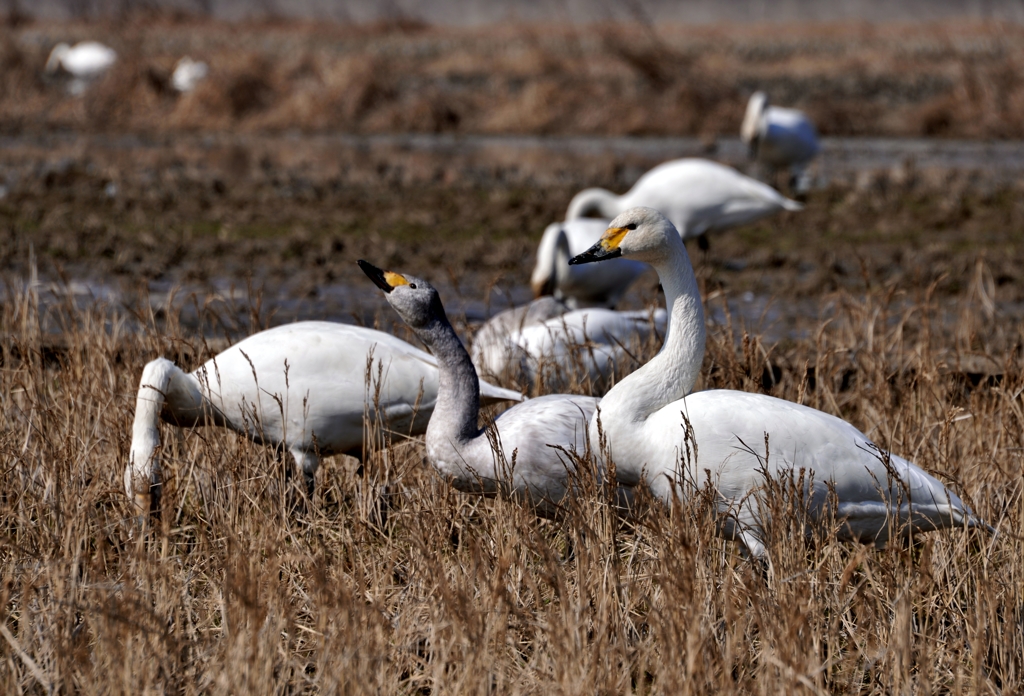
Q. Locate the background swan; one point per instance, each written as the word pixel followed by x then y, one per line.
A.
pixel 579 286
pixel 302 386
pixel 492 343
pixel 780 138
pixel 188 74
pixel 579 349
pixel 85 61
pixel 697 195
pixel 523 455
pixel 645 418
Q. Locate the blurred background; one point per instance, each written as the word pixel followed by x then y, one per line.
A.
pixel 208 148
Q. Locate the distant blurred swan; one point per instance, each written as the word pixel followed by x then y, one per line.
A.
pixel 188 74
pixel 579 286
pixel 84 62
pixel 780 138
pixel 696 195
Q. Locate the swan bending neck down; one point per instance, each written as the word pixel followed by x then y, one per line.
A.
pixel 738 438
pixel 526 454
pixel 302 386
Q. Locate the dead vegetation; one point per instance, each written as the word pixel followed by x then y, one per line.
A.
pixel 413 588
pixel 953 80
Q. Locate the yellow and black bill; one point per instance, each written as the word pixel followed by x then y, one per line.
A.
pixel 385 280
pixel 606 248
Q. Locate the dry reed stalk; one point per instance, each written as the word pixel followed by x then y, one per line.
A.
pixel 454 594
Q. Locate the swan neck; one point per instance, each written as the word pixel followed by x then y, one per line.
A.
pixel 458 397
pixel 673 372
pixel 593 202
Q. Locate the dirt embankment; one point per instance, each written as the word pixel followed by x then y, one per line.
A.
pixel 949 79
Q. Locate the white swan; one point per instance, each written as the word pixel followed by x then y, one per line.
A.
pixel 302 386
pixel 697 195
pixel 584 348
pixel 646 415
pixel 188 74
pixel 526 455
pixel 85 62
pixel 494 351
pixel 780 138
pixel 579 286
pixel 543 344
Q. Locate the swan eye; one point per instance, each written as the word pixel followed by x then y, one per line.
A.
pixel 631 226
pixel 412 285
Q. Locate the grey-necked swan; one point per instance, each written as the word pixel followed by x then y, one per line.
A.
pixel 526 454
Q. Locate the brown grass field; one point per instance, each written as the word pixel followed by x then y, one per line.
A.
pixel 899 300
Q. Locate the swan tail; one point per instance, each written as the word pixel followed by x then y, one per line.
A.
pixel 490 394
pixel 791 205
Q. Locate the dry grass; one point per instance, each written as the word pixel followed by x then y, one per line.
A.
pixel 953 79
pixel 451 594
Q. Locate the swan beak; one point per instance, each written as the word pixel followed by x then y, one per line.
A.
pixel 385 280
pixel 606 248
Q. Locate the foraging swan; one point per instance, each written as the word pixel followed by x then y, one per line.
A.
pixel 525 454
pixel 188 74
pixel 85 61
pixel 645 420
pixel 579 286
pixel 697 195
pixel 302 386
pixel 780 138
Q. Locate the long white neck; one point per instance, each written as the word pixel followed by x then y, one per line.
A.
pixel 593 202
pixel 673 372
pixel 163 390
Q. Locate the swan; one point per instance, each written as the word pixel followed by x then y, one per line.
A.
pixel 493 345
pixel 645 420
pixel 85 62
pixel 188 74
pixel 579 286
pixel 697 195
pixel 584 346
pixel 302 386
pixel 780 138
pixel 545 344
pixel 526 454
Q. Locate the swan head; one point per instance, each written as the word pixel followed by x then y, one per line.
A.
pixel 639 233
pixel 751 128
pixel 53 63
pixel 415 300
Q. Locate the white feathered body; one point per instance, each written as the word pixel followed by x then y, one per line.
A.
pixel 584 344
pixel 787 138
pixel 697 195
pixel 85 60
pixel 309 380
pixel 518 457
pixel 873 490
